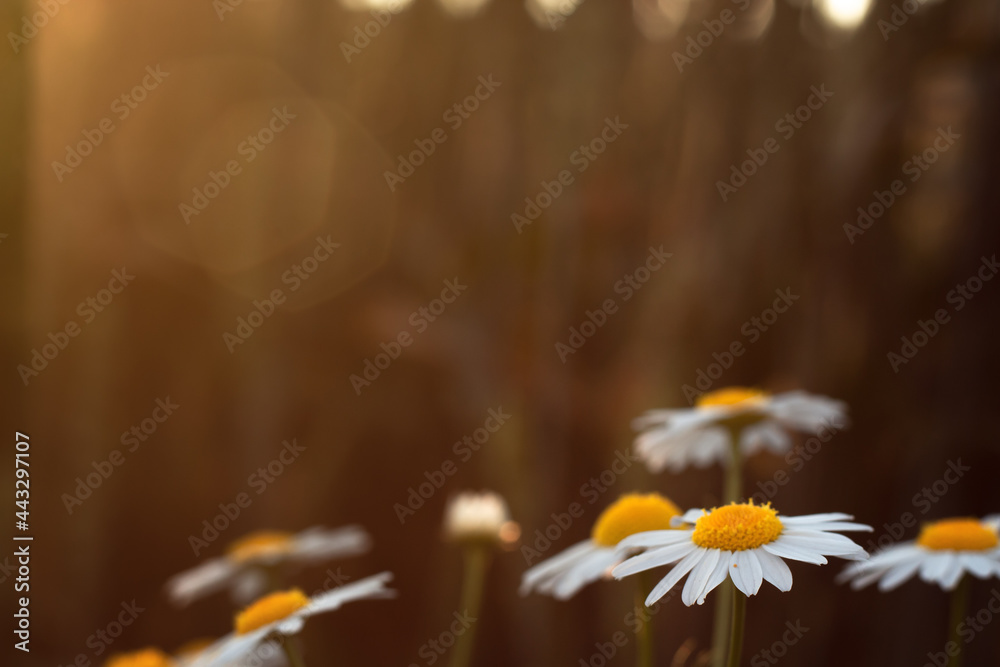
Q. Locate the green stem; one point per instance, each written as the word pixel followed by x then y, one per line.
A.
pixel 732 492
pixel 294 659
pixel 476 558
pixel 644 642
pixel 734 471
pixel 959 605
pixel 736 637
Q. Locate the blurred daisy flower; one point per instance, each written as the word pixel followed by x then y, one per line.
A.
pixel 744 542
pixel 479 517
pixel 248 562
pixel 190 653
pixel 147 657
pixel 566 573
pixel 942 553
pixel 704 434
pixel 283 614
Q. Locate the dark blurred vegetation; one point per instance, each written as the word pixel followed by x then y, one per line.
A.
pixel 495 346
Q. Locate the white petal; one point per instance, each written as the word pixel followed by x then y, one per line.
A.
pixel 654 558
pixel 699 577
pixel 747 573
pixel 934 566
pixel 951 575
pixel 655 538
pixel 589 569
pixel 833 525
pixel 319 543
pixel 717 576
pixel 815 518
pixel 775 570
pixel 199 581
pixel 767 435
pixel 369 587
pixel 675 575
pixel 898 574
pixel 785 549
pixel 977 565
pixel 558 563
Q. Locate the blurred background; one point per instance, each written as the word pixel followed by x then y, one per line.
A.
pixel 569 138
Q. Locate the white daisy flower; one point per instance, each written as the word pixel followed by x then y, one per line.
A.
pixel 701 435
pixel 474 517
pixel 744 542
pixel 585 562
pixel 942 553
pixel 282 614
pixel 243 569
pixel 190 653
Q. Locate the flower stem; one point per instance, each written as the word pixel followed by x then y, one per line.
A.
pixel 476 557
pixel 294 659
pixel 731 493
pixel 959 604
pixel 734 471
pixel 736 637
pixel 644 641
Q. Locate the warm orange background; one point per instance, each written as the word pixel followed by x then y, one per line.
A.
pixel 323 176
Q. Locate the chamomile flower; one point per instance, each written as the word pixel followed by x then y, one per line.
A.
pixel 745 542
pixel 563 575
pixel 701 435
pixel 479 517
pixel 943 552
pixel 147 657
pixel 283 614
pixel 242 569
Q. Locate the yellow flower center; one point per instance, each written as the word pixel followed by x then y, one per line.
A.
pixel 149 657
pixel 260 544
pixel 737 527
pixel 957 535
pixel 633 513
pixel 731 397
pixel 269 609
